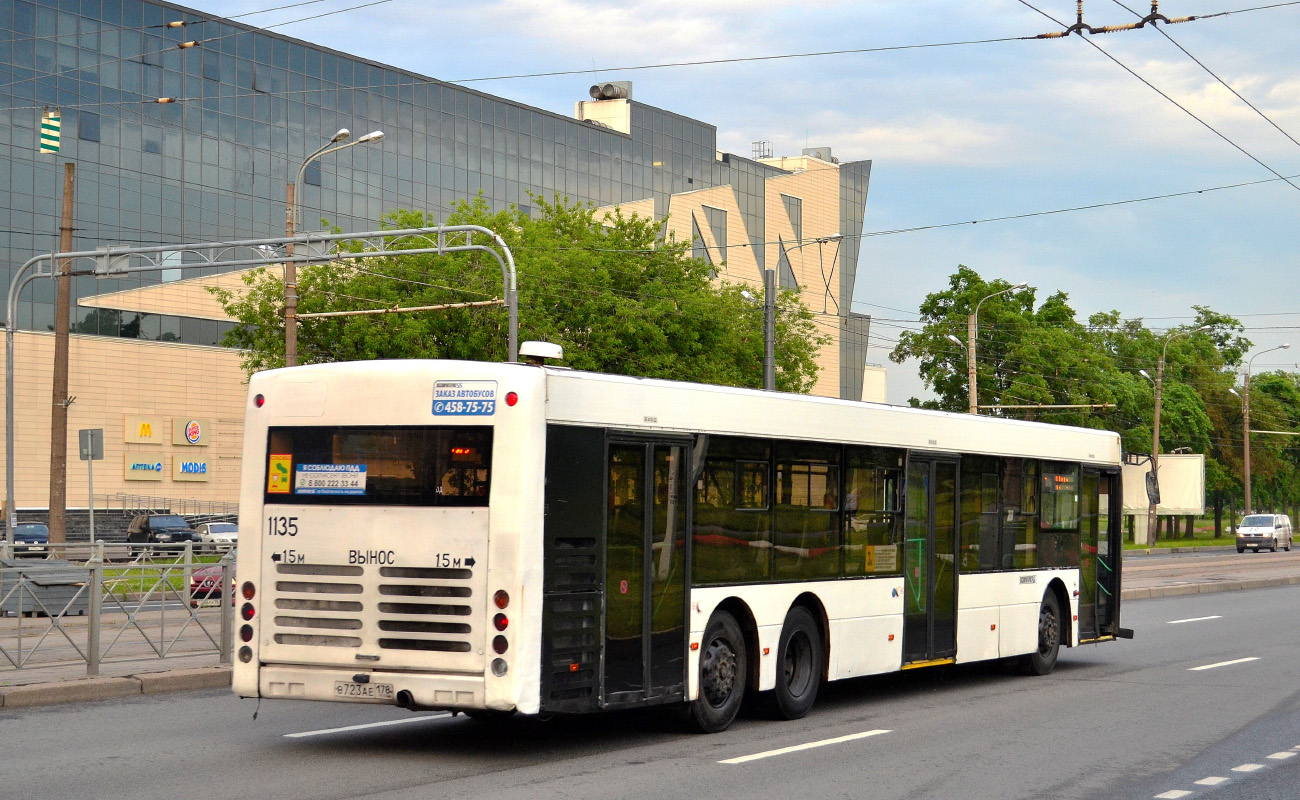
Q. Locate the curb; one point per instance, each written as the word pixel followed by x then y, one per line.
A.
pixel 1147 593
pixel 83 689
pixel 1151 551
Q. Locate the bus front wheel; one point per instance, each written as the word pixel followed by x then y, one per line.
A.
pixel 723 672
pixel 1043 660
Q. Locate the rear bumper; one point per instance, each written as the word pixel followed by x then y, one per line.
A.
pixel 425 691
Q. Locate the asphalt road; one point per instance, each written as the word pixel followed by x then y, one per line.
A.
pixel 1130 719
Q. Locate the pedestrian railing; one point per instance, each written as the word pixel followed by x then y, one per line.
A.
pixel 96 603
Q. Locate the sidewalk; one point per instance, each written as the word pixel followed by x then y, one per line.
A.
pixel 68 683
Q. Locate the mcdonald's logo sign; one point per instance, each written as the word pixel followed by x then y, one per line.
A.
pixel 145 430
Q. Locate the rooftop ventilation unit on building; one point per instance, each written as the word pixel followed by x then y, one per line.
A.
pixel 615 90
pixel 823 153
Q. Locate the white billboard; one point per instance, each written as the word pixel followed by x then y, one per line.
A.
pixel 1182 485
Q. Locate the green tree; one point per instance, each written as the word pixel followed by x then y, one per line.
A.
pixel 1024 355
pixel 611 291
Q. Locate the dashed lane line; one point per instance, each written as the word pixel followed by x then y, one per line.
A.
pixel 420 718
pixel 798 747
pixel 1215 780
pixel 1223 664
pixel 1193 619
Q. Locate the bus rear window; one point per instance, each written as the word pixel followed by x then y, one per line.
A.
pixel 374 465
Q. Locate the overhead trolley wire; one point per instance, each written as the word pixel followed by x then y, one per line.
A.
pixel 1178 105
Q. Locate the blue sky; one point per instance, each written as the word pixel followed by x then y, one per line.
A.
pixel 958 133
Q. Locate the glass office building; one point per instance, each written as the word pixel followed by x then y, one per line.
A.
pixel 249 105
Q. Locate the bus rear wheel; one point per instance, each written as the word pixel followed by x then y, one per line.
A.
pixel 799 664
pixel 1043 660
pixel 723 672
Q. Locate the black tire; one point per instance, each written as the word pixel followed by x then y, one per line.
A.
pixel 1273 548
pixel 1241 549
pixel 1288 544
pixel 1043 660
pixel 724 670
pixel 799 666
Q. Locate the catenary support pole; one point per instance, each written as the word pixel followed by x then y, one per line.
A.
pixel 59 395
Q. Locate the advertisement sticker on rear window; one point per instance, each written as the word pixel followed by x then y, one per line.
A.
pixel 277 481
pixel 330 479
pixel 464 398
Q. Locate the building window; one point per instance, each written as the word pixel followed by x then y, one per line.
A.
pixel 718 227
pixel 88 126
pixel 794 210
pixel 311 176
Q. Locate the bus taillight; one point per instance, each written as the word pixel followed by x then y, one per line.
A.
pixel 500 645
pixel 246 633
pixel 501 621
pixel 259 401
pixel 511 398
pixel 249 590
pixel 501 598
pixel 246 611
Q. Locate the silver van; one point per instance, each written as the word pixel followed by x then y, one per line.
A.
pixel 1258 531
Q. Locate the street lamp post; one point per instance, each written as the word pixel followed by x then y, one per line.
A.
pixel 1245 416
pixel 293 194
pixel 972 329
pixel 1152 517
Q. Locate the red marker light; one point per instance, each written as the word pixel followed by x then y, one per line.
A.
pixel 501 621
pixel 501 598
pixel 511 398
pixel 259 401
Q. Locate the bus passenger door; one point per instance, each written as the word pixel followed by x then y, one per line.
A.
pixel 645 586
pixel 1098 570
pixel 929 561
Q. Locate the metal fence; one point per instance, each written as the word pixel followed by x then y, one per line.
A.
pixel 98 603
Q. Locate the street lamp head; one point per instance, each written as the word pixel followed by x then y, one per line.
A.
pixel 1233 391
pixel 1284 347
pixel 834 237
pixel 954 340
pixel 749 297
pixel 343 134
pixel 1144 374
pixel 1020 285
pixel 373 136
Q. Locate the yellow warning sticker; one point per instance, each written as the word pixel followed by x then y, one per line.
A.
pixel 279 474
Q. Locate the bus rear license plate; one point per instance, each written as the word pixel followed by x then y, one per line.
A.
pixel 363 691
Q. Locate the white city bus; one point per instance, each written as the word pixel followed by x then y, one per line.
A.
pixel 496 538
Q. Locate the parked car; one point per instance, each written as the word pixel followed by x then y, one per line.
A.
pixel 1258 531
pixel 31 539
pixel 214 536
pixel 159 529
pixel 205 584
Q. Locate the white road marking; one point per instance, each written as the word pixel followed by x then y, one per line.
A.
pixel 1213 780
pixel 1173 794
pixel 1193 619
pixel 1223 664
pixel 1283 755
pixel 797 747
pixel 1248 768
pixel 420 718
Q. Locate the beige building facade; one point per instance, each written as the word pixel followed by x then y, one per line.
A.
pixel 172 417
